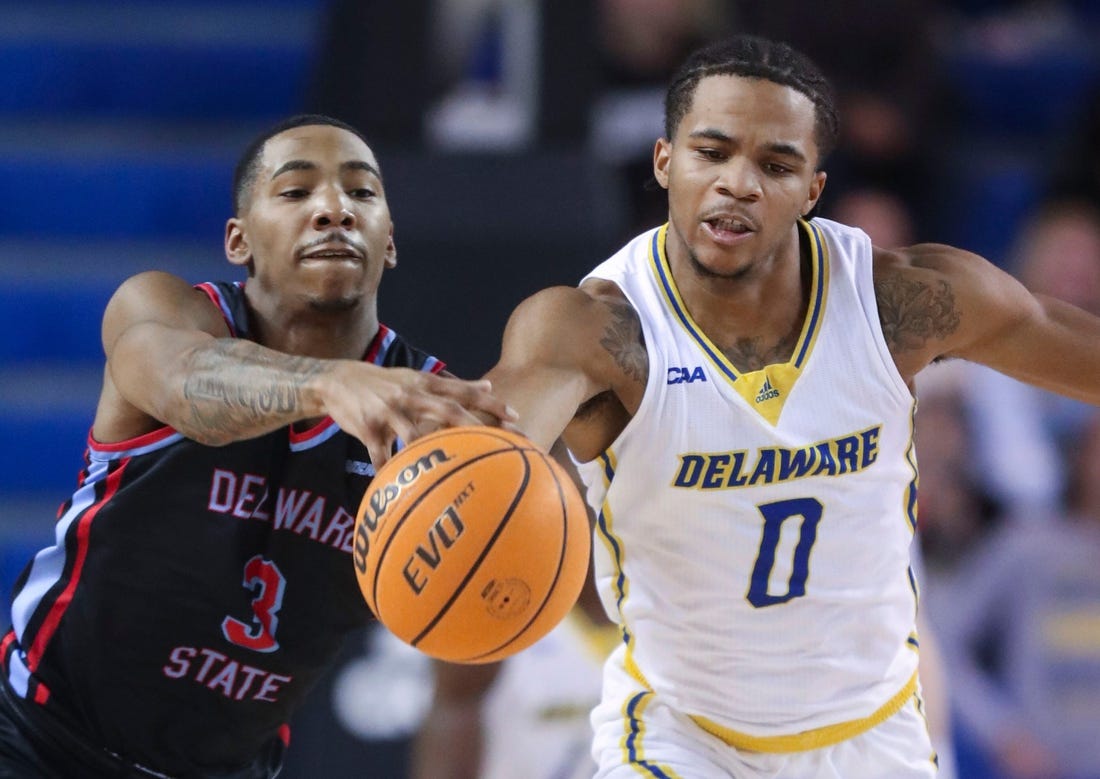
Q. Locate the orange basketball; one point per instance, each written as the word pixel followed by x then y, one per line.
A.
pixel 471 544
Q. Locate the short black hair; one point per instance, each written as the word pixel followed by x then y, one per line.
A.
pixel 754 57
pixel 244 175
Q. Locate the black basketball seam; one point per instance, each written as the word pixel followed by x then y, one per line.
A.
pixel 484 552
pixel 401 520
pixel 561 560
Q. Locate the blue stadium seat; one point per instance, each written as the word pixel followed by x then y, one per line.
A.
pixel 1030 96
pixel 43 78
pixel 153 193
pixel 44 425
pixel 56 324
pixel 120 124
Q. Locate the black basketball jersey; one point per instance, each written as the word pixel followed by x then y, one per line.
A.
pixel 194 594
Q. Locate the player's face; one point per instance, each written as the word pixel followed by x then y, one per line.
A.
pixel 317 227
pixel 739 170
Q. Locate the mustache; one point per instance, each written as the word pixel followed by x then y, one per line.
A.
pixel 334 237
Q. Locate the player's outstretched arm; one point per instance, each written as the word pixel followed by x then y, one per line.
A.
pixel 938 301
pixel 170 361
pixel 550 361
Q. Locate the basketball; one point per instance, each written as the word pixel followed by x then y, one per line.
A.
pixel 471 544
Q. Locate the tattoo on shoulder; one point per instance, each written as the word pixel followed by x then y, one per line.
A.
pixel 624 341
pixel 913 312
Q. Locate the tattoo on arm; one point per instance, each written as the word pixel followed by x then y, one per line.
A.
pixel 234 390
pixel 913 312
pixel 623 340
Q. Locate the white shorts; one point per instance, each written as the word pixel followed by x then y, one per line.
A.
pixel 636 734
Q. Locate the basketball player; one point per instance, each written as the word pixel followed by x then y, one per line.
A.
pixel 526 716
pixel 201 578
pixel 736 385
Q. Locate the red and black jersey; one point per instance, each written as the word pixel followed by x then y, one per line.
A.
pixel 194 594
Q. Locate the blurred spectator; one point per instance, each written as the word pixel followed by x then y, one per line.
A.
pixel 1022 431
pixel 527 716
pixel 884 65
pixel 374 69
pixel 1022 636
pixel 1077 162
pixel 468 76
pixel 1018 72
pixel 639 45
pixel 953 517
pixel 488 51
pixel 880 213
pixel 935 689
pixel 535 717
pixel 953 513
pixel 1004 55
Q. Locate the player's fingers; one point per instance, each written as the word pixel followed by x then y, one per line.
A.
pixel 477 396
pixel 449 412
pixel 403 427
pixel 378 449
pixel 378 435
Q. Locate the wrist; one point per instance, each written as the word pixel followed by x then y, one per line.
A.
pixel 315 389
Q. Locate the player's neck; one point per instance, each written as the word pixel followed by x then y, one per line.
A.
pixel 323 334
pixel 765 303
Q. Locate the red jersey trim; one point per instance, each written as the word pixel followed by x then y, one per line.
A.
pixel 297 437
pixel 147 439
pixel 216 298
pixel 83 530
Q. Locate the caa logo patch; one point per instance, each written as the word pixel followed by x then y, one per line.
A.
pixel 685 375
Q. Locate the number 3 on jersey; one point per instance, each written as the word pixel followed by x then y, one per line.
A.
pixel 775 514
pixel 268 582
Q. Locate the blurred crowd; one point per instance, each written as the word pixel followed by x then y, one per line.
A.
pixel 972 122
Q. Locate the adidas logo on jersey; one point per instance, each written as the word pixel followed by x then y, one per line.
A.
pixel 767 392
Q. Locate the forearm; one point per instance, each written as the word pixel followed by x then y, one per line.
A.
pixel 233 390
pixel 1054 348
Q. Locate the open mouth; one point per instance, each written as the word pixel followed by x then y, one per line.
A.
pixel 730 225
pixel 729 228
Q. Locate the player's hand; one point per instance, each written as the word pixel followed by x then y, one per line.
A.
pixel 379 405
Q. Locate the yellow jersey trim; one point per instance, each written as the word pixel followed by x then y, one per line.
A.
pixel 766 389
pixel 604 523
pixel 816 738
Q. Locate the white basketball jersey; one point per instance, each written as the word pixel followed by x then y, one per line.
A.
pixel 753 528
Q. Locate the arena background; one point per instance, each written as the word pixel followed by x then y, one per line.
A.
pixel 514 147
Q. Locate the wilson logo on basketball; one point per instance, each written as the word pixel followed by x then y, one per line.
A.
pixel 383 496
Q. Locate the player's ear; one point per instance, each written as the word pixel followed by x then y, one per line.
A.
pixel 662 158
pixel 391 251
pixel 237 249
pixel 817 186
